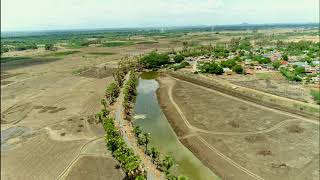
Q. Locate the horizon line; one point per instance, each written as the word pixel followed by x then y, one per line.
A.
pixel 157 27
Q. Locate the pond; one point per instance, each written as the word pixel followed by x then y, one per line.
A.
pixel 150 118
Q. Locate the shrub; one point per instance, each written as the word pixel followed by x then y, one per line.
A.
pixel 112 92
pixel 178 58
pixel 238 69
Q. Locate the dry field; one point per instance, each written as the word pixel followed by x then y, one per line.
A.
pixel 47 107
pixel 239 139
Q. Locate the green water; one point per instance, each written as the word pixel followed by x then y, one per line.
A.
pixel 152 119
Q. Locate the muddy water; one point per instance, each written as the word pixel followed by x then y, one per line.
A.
pixel 150 118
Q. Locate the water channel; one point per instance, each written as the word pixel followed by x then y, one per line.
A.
pixel 149 116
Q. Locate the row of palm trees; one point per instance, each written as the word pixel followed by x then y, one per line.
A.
pixel 130 93
pixel 130 163
pixel 163 164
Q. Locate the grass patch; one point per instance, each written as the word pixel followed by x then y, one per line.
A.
pixel 316 96
pixel 60 54
pixel 11 59
pixel 117 43
pixel 102 53
pixel 147 42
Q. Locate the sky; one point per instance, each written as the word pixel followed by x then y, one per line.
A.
pixel 20 15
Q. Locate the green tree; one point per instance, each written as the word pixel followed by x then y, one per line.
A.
pixel 154 60
pixel 285 57
pixel 238 69
pixel 49 47
pixel 178 58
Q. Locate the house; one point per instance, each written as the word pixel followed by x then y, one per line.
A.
pixel 247 62
pixel 285 63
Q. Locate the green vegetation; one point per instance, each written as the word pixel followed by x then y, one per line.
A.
pixel 238 69
pixel 117 43
pixel 210 67
pixel 316 96
pixel 147 42
pixel 61 54
pixel 290 75
pixel 23 47
pixel 179 66
pixel 276 64
pixel 112 92
pixel 130 163
pixel 102 53
pixel 261 59
pixel 178 58
pixel 154 60
pixel 11 59
pixel 49 47
pixel 130 93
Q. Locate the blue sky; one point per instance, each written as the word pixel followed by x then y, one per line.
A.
pixel 78 14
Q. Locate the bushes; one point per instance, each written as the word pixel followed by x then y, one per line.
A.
pixel 238 69
pixel 229 63
pixel 261 59
pixel 154 60
pixel 291 76
pixel 179 66
pixel 178 58
pixel 210 67
pixel 23 47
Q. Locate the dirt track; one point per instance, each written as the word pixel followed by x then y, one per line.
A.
pixel 187 108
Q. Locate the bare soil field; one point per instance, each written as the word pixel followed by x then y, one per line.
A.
pixel 91 167
pixel 273 83
pixel 238 139
pixel 47 114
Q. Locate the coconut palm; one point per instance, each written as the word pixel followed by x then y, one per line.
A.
pixel 147 138
pixel 104 103
pixel 155 155
pixel 137 131
pixel 167 162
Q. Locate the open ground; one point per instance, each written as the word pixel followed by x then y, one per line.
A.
pixel 238 139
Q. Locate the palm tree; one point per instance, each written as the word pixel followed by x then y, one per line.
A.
pixel 104 103
pixel 167 162
pixel 147 138
pixel 154 154
pixel 137 131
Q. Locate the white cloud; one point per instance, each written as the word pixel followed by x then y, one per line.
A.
pixel 61 14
